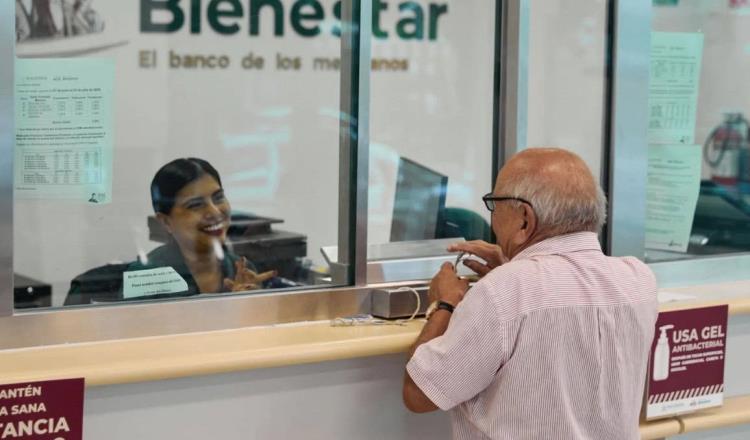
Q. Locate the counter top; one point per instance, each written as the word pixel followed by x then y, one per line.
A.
pixel 736 294
pixel 181 355
pixel 166 357
pixel 735 411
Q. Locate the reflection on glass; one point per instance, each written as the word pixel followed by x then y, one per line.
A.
pixel 38 19
pixel 697 113
pixel 431 142
pixel 253 102
pixel 190 204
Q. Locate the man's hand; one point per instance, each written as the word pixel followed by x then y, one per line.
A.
pixel 447 286
pixel 246 279
pixel 492 254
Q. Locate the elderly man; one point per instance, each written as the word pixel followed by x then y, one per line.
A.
pixel 553 341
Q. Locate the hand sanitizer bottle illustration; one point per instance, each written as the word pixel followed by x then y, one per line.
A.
pixel 661 355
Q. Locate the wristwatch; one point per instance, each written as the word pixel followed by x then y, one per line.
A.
pixel 438 305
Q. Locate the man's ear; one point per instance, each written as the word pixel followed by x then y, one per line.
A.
pixel 165 221
pixel 529 220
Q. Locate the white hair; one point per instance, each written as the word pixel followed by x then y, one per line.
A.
pixel 562 209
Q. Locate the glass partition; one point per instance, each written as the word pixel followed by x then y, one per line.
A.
pixel 698 186
pixel 174 149
pixel 431 149
pixel 567 65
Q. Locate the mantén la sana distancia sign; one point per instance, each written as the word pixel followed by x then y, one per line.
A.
pixel 47 410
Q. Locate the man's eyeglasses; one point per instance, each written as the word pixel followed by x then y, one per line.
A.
pixel 489 201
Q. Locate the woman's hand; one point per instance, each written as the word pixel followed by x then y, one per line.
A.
pixel 246 279
pixel 492 254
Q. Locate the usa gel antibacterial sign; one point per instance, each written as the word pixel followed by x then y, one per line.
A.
pixel 686 371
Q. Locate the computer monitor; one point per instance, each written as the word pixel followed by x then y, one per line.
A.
pixel 419 202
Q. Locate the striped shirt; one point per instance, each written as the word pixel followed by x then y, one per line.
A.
pixel 552 345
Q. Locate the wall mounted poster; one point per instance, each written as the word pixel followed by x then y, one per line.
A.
pixel 673 186
pixel 64 129
pixel 673 86
pixel 686 368
pixel 48 410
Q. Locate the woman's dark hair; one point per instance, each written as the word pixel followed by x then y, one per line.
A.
pixel 174 176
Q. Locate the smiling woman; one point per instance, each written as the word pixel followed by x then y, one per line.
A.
pixel 189 202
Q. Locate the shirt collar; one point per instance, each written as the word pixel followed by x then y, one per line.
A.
pixel 562 244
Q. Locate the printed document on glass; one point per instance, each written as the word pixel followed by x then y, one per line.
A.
pixel 673 87
pixel 64 129
pixel 673 186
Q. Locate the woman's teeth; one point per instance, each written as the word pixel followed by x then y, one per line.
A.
pixel 213 228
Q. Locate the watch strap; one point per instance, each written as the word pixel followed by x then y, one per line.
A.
pixel 442 305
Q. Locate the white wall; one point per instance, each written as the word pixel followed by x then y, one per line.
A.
pixel 355 399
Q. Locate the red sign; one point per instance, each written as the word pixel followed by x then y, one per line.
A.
pixel 686 368
pixel 49 410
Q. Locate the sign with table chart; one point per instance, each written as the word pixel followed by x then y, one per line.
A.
pixel 64 129
pixel 673 86
pixel 48 410
pixel 686 368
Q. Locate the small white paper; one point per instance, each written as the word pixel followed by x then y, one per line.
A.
pixel 139 283
pixel 674 181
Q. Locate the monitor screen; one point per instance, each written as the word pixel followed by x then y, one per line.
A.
pixel 419 203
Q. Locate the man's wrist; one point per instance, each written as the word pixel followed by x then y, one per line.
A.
pixel 452 300
pixel 439 305
pixel 445 305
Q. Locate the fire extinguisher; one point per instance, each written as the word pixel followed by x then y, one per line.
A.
pixel 727 151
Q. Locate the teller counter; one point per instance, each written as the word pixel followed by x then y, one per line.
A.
pixel 260 378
